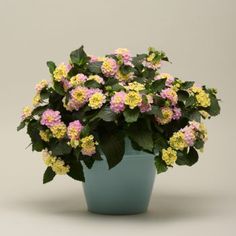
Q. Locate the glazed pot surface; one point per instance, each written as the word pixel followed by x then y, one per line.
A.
pixel 124 189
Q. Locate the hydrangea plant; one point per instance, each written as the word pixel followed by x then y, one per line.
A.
pixel 92 104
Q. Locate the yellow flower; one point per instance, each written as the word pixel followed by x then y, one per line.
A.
pixel 60 72
pixel 74 143
pixel 203 99
pixel 41 85
pixel 45 135
pixel 196 89
pixel 176 86
pixel 135 86
pixel 96 100
pixel 96 78
pixel 59 167
pixel 151 57
pixel 203 131
pixel 88 145
pixel 169 156
pixel 133 99
pixel 167 115
pixel 27 111
pixel 58 130
pixel 48 158
pixel 177 141
pixel 124 77
pixel 80 94
pixel 204 114
pixel 165 76
pixel 36 100
pixel 75 81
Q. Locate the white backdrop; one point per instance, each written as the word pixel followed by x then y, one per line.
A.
pixel 199 38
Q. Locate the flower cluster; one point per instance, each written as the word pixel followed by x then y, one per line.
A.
pixel 91 104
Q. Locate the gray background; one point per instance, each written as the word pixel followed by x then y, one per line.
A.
pixel 198 36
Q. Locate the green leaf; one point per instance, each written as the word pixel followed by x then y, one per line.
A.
pixel 214 108
pixel 117 87
pixel 182 158
pixel 125 69
pixel 89 162
pixel 21 125
pixel 158 85
pixel 51 66
pixel 155 109
pixel 113 146
pixel 192 156
pixel 111 81
pixel 79 57
pixel 139 133
pixel 58 87
pixel 92 84
pixel 159 143
pixel 190 101
pixel 195 115
pixel 39 110
pixel 160 165
pixel 131 115
pixel 182 95
pixel 48 176
pixel 76 171
pixel 199 144
pixel 105 114
pixel 60 148
pixel 188 159
pixel 95 67
pixel 187 84
pixel 33 131
pixel 44 94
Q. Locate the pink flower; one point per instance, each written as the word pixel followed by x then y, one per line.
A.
pixel 189 135
pixel 93 58
pixel 125 56
pixel 169 94
pixel 146 106
pixel 109 67
pixel 66 84
pixel 74 129
pixel 176 113
pixel 117 103
pixel 79 96
pixel 50 118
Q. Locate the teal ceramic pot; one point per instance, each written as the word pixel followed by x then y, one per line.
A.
pixel 125 189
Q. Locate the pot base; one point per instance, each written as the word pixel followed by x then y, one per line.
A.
pixel 122 190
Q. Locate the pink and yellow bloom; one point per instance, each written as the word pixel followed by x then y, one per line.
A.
pixel 41 85
pixel 78 79
pixel 170 94
pixel 88 145
pixel 167 116
pixel 73 130
pixel 146 105
pixel 133 99
pixel 97 100
pixel 79 96
pixel 109 67
pixel 117 103
pixel 60 72
pixel 124 55
pixel 50 118
pixel 96 78
pixel 58 130
pixel 26 112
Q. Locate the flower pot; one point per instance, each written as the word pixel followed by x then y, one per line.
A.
pixel 124 189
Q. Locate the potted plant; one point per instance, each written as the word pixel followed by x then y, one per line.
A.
pixel 112 121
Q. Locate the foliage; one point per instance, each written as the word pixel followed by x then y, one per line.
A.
pixel 93 104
